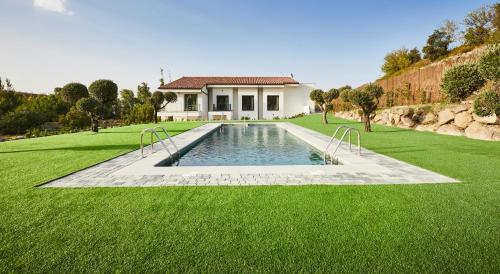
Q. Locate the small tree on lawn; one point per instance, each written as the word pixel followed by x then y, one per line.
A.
pixel 157 100
pixel 143 93
pixel 105 92
pixel 73 92
pixel 90 106
pixel 367 100
pixel 324 100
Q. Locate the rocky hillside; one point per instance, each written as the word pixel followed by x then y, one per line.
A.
pixel 455 120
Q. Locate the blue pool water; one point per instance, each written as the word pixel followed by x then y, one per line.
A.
pixel 241 145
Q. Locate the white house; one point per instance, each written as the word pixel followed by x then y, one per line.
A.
pixel 236 98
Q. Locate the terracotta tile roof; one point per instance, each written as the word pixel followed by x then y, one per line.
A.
pixel 200 82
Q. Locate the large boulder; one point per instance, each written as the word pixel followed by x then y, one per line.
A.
pixel 428 118
pixel 407 122
pixel 445 116
pixel 460 108
pixel 492 119
pixel 384 117
pixel 463 119
pixel 496 133
pixel 449 129
pixel 477 130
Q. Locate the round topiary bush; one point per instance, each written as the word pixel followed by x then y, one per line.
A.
pixel 489 64
pixel 487 103
pixel 461 81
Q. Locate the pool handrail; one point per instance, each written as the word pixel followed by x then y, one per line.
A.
pixel 164 129
pixel 348 130
pixel 153 132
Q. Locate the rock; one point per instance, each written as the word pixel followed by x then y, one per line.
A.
pixel 460 108
pixel 492 119
pixel 396 118
pixel 428 118
pixel 408 122
pixel 450 130
pixel 463 119
pixel 445 117
pixel 404 111
pixel 496 133
pixel 377 118
pixel 477 130
pixel 384 118
pixel 425 127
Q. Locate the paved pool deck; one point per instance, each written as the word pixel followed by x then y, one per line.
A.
pixel 132 170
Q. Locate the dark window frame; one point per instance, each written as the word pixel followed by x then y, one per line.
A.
pixel 276 103
pixel 190 107
pixel 252 104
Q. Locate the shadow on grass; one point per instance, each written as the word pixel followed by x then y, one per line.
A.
pixel 79 148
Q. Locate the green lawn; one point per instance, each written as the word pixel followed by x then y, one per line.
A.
pixel 382 228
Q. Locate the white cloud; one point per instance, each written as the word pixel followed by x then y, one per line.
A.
pixel 53 5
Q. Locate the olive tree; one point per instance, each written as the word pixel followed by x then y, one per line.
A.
pixel 366 99
pixel 157 100
pixel 73 92
pixel 324 100
pixel 105 93
pixel 90 105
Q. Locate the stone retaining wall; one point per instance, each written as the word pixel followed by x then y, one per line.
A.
pixel 455 120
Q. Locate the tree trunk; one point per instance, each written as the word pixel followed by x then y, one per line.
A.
pixel 95 124
pixel 368 126
pixel 156 116
pixel 325 120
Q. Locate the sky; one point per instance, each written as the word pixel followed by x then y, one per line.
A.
pixel 47 43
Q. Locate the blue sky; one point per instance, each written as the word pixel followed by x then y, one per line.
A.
pixel 47 43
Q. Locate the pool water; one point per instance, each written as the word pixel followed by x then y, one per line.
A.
pixel 247 145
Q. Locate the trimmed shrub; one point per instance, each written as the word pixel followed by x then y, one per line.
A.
pixel 487 103
pixel 73 92
pixel 461 81
pixel 142 113
pixel 19 121
pixel 75 119
pixel 489 64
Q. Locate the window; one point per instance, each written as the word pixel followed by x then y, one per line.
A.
pixel 247 102
pixel 273 102
pixel 190 102
pixel 223 103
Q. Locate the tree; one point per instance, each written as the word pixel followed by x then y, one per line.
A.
pixel 143 93
pixel 396 61
pixel 479 25
pixel 414 55
pixel 367 99
pixel 489 64
pixel 105 92
pixel 73 92
pixel 450 28
pixel 90 105
pixel 127 101
pixel 437 45
pixel 162 78
pixel 170 97
pixel 157 100
pixel 9 100
pixel 324 100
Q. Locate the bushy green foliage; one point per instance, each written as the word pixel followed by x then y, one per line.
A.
pixel 18 122
pixel 143 93
pixel 49 107
pixel 9 100
pixel 127 101
pixel 437 45
pixel 90 106
pixel 141 113
pixel 73 92
pixel 75 119
pixel 400 59
pixel 487 103
pixel 489 64
pixel 461 81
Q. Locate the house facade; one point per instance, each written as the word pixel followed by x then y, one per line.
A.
pixel 236 98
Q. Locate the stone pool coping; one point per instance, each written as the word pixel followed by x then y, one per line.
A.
pixel 131 170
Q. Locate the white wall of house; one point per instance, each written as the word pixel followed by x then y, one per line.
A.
pixel 252 114
pixel 270 114
pixel 297 99
pixel 222 91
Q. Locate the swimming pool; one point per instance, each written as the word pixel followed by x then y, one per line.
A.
pixel 250 145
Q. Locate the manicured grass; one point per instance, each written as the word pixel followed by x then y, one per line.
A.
pixel 383 228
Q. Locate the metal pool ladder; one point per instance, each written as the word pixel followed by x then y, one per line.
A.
pixel 347 132
pixel 153 131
